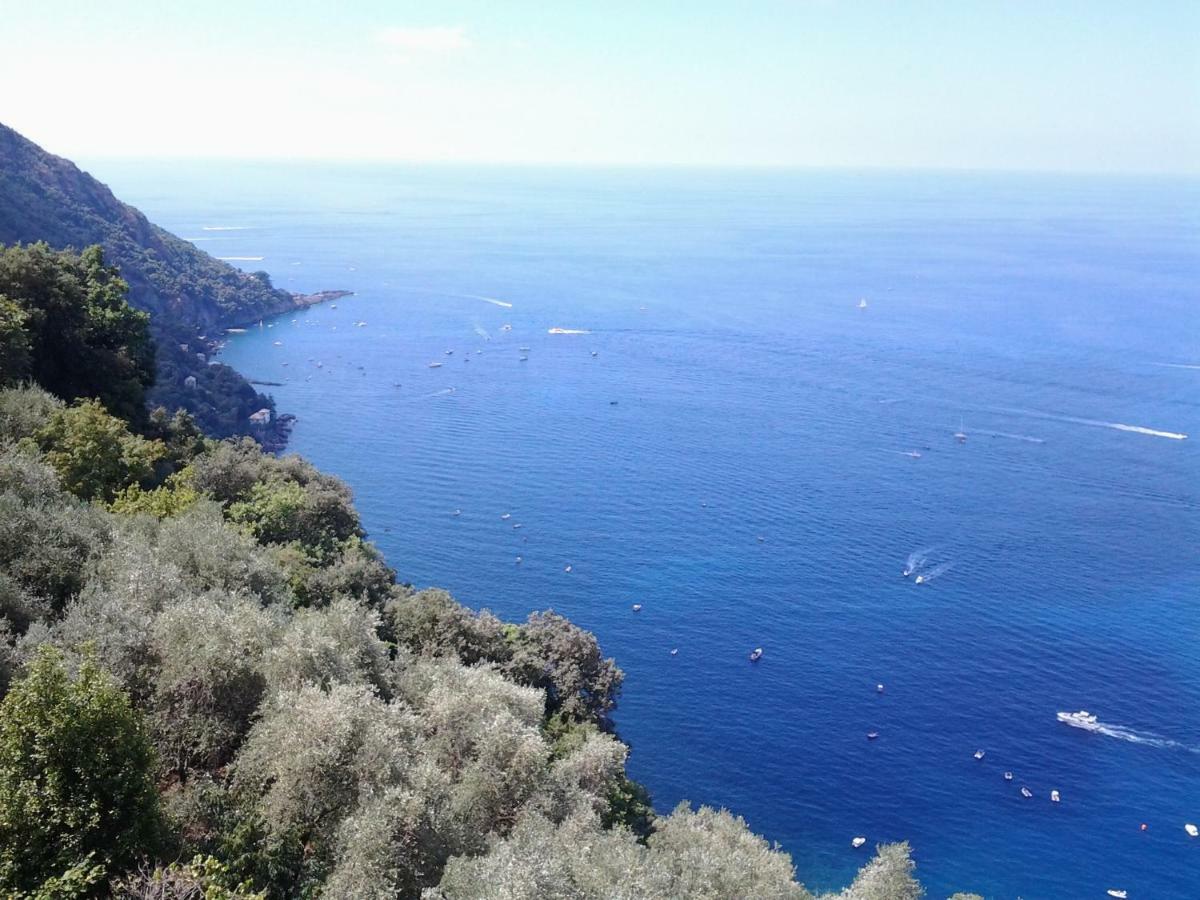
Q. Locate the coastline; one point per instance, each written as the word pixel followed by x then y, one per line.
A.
pixel 274 436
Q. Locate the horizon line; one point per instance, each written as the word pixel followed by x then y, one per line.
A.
pixel 634 166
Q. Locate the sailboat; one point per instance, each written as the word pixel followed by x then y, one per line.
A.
pixel 961 434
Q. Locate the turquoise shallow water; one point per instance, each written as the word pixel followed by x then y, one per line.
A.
pixel 753 399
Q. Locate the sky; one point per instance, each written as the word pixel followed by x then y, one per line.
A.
pixel 1058 85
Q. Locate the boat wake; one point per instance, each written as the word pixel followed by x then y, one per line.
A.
pixel 482 332
pixel 1177 365
pixel 240 258
pixel 492 300
pixel 568 331
pixel 1133 736
pixel 1094 423
pixel 936 572
pixel 226 227
pixel 916 560
pixel 444 392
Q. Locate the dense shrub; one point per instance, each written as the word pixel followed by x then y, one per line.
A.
pixel 76 780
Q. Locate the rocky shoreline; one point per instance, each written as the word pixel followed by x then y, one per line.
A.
pixel 274 436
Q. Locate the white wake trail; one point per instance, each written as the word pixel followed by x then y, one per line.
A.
pixel 1133 736
pixel 1094 423
pixel 492 300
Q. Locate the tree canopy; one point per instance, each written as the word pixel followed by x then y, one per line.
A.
pixel 64 323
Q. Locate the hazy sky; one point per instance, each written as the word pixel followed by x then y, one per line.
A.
pixel 1018 84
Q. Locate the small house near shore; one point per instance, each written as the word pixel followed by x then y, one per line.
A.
pixel 262 417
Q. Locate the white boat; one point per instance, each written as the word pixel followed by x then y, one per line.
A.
pixel 435 365
pixel 637 607
pixel 979 754
pixel 961 434
pixel 566 568
pixel 1008 776
pixel 862 303
pixel 505 515
pixel 879 688
pixel 858 842
pixel 920 579
pixel 519 560
pixel 1082 719
pixel 1026 793
pixel 675 651
pixel 1120 895
pixel 1192 830
pixel 756 654
pixel 1054 798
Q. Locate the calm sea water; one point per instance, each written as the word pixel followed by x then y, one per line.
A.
pixel 727 446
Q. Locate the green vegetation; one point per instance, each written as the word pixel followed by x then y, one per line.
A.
pixel 76 786
pixel 186 292
pixel 203 659
pixel 64 323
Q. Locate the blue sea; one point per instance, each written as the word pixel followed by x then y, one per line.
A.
pixel 736 445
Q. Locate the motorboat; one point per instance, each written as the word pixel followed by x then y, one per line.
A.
pixel 979 754
pixel 872 735
pixel 1081 719
pixel 862 303
pixel 675 651
pixel 637 607
pixel 567 569
pixel 505 516
pixel 1008 776
pixel 524 359
pixel 920 579
pixel 961 434
pixel 1120 895
pixel 1054 797
pixel 457 512
pixel 1192 830
pixel 905 573
pixel 858 842
pixel 432 365
pixel 879 688
pixel 1026 793
pixel 519 560
pixel 756 654
pixel 449 352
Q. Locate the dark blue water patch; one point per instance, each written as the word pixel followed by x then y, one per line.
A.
pixel 753 483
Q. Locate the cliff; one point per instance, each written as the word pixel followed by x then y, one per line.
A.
pixel 188 293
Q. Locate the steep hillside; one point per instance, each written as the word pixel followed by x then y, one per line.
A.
pixel 190 295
